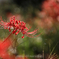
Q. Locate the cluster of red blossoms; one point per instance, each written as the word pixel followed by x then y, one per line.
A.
pixel 51 8
pixel 17 26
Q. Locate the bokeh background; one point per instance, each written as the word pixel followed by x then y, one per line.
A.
pixel 37 14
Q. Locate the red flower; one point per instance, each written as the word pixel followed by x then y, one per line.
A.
pixel 4 47
pixel 51 7
pixel 17 25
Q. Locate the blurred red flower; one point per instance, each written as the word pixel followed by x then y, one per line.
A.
pixel 4 47
pixel 51 8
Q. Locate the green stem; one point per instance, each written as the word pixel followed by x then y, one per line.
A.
pixel 8 37
pixel 43 53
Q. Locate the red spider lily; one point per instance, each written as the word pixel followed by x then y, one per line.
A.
pixel 3 49
pixel 51 7
pixel 17 25
pixel 5 44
